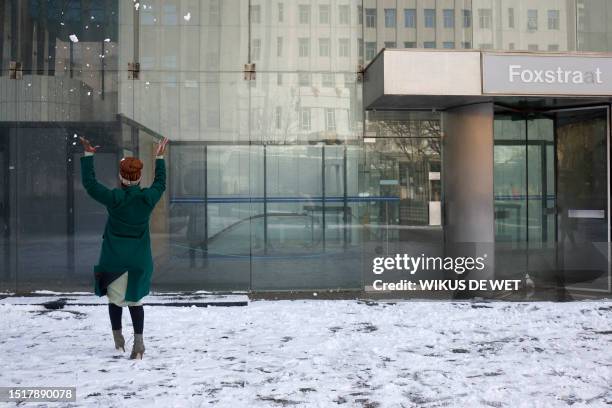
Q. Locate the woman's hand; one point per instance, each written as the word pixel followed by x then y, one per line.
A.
pixel 161 147
pixel 87 145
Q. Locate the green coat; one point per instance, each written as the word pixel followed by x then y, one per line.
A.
pixel 126 242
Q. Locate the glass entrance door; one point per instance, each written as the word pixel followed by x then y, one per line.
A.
pixel 582 197
pixel 551 198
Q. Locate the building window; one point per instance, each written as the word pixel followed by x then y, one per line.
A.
pixel 409 44
pixel 323 14
pixel 390 18
pixel 212 118
pixel 553 19
pixel 553 47
pixel 169 14
pixel 371 18
pixel 304 47
pixel 146 17
pixel 303 78
pixel 430 18
pixel 360 46
pixel 467 18
pixel 256 14
pixel 323 47
pixel 256 49
pixel 486 46
pixel 344 14
pixel 370 50
pixel 213 12
pixel 304 14
pixel 327 80
pixel 449 18
pixel 279 78
pixel 532 19
pixel 257 118
pixel 349 79
pixel 429 44
pixel 278 117
pixel 484 18
pixel 330 119
pixel 281 12
pixel 279 46
pixel 448 44
pixel 466 45
pixel 510 18
pixel 343 47
pixel 390 44
pixel 350 118
pixel 305 118
pixel 532 47
pixel 581 19
pixel 360 15
pixel 511 46
pixel 410 18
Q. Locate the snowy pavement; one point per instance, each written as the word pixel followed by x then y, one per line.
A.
pixel 320 354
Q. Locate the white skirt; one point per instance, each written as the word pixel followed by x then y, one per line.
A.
pixel 116 292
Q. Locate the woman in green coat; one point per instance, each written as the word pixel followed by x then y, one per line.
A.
pixel 124 270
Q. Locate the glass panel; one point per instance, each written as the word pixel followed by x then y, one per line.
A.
pixel 540 222
pixel 292 226
pixel 335 204
pixel 401 189
pixel 582 147
pixel 191 106
pixel 193 36
pixel 524 174
pixel 8 276
pixel 327 41
pixel 594 28
pixel 188 223
pixel 67 85
pixel 509 180
pixel 540 182
pixel 418 24
pixel 211 216
pixel 231 213
pixel 556 25
pixel 294 108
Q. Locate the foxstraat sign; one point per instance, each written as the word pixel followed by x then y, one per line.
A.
pixel 546 75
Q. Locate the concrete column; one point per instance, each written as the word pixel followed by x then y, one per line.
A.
pixel 468 184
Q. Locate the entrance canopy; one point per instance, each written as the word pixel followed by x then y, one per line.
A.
pixel 441 79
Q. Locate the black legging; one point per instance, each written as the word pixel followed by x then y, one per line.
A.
pixel 136 313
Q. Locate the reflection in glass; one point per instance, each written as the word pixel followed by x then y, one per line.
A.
pixel 401 187
pixel 551 198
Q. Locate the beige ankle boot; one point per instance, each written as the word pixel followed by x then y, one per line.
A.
pixel 138 349
pixel 119 340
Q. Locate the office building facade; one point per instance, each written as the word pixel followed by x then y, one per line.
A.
pixel 290 168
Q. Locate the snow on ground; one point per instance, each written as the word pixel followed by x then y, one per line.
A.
pixel 320 354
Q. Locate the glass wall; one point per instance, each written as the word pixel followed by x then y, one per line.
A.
pixel 276 180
